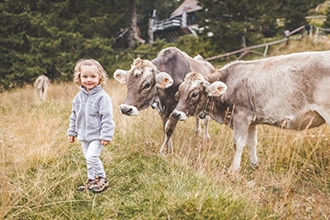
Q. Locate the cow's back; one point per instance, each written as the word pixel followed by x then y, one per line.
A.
pixel 173 62
pixel 281 87
pixel 42 82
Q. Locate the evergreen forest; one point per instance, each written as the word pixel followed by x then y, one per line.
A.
pixel 49 36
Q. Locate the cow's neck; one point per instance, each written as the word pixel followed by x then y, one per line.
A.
pixel 219 111
pixel 165 101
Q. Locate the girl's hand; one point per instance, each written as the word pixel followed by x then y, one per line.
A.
pixel 71 139
pixel 104 142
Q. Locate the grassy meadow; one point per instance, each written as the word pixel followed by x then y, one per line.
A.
pixel 40 170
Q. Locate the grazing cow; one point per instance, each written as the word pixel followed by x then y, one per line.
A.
pixel 288 91
pixel 42 85
pixel 145 85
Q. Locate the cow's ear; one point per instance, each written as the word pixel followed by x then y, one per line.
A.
pixel 216 89
pixel 120 75
pixel 163 80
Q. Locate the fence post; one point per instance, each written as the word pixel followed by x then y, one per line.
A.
pixel 317 32
pixel 286 36
pixel 266 50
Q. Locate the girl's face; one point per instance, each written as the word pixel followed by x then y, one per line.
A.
pixel 89 77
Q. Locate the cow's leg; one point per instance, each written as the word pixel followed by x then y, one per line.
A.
pixel 206 127
pixel 198 129
pixel 198 126
pixel 46 87
pixel 169 129
pixel 240 138
pixel 43 93
pixel 252 142
pixel 40 94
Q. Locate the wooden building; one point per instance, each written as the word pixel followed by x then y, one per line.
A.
pixel 182 21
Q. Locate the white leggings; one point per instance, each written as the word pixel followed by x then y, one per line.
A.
pixel 92 151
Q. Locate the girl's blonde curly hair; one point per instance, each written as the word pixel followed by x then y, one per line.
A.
pixel 89 62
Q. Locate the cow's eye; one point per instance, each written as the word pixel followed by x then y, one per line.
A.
pixel 194 95
pixel 146 86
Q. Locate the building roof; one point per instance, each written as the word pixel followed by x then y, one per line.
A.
pixel 188 6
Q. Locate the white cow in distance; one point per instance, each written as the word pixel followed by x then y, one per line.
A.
pixel 42 84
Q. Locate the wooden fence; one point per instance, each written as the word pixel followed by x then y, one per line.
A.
pixel 132 55
pixel 241 52
pixel 246 50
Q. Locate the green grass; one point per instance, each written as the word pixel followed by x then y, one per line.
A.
pixel 40 170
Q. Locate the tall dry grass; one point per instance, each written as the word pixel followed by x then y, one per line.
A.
pixel 40 170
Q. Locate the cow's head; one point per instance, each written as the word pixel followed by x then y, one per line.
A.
pixel 142 81
pixel 193 95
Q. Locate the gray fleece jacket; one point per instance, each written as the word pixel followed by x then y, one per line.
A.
pixel 92 116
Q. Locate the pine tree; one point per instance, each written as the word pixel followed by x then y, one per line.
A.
pixel 295 12
pixel 48 37
pixel 229 24
pixel 14 22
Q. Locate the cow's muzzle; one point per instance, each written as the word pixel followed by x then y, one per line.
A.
pixel 128 110
pixel 179 115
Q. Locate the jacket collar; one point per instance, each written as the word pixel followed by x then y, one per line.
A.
pixel 96 89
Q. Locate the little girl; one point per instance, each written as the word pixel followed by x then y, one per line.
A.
pixel 91 120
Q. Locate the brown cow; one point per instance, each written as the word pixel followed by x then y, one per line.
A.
pixel 145 85
pixel 288 91
pixel 42 85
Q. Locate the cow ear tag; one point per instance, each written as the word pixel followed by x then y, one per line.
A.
pixel 120 76
pixel 217 88
pixel 163 80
